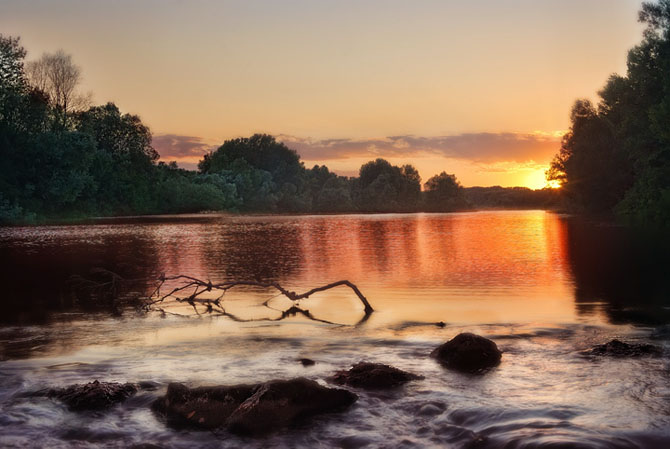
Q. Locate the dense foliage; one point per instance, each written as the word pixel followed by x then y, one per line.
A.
pixel 616 156
pixel 64 159
pixel 64 162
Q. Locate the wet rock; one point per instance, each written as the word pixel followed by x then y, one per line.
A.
pixel 250 409
pixel 204 407
pixel 280 403
pixel 468 352
pixel 431 409
pixel 355 442
pixel 148 385
pixel 617 348
pixel 93 395
pixel 661 333
pixel 374 376
pixel 306 362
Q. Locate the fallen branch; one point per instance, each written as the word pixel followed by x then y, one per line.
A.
pixel 192 289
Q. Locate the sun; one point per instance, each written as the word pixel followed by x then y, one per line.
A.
pixel 536 179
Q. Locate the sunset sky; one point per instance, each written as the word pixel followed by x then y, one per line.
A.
pixel 480 89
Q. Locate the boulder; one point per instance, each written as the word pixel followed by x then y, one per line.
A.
pixel 250 409
pixel 617 348
pixel 468 353
pixel 280 403
pixel 374 376
pixel 204 407
pixel 93 395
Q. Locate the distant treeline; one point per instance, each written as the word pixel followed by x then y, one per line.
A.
pixel 616 157
pixel 64 159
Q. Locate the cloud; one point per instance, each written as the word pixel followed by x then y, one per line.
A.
pixel 476 147
pixel 175 147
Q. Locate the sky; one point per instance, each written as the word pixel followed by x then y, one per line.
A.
pixel 479 89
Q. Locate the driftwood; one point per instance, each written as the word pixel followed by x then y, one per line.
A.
pixel 191 291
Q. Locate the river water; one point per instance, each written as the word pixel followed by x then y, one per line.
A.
pixel 544 286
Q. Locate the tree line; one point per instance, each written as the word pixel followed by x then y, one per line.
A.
pixel 64 159
pixel 616 156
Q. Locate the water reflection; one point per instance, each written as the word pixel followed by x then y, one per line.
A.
pixel 624 274
pixel 53 270
pixel 514 266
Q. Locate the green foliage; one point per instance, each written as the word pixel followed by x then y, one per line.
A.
pixel 617 157
pixel 383 187
pixel 443 193
pixel 99 162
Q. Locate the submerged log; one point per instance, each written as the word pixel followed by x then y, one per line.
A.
pixel 198 299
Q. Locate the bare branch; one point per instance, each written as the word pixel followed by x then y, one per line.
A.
pixel 213 306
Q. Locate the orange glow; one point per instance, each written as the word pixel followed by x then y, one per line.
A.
pixel 538 180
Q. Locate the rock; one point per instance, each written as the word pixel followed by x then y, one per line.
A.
pixel 617 348
pixel 374 376
pixel 661 333
pixel 306 362
pixel 204 407
pixel 250 409
pixel 431 409
pixel 280 403
pixel 93 395
pixel 469 353
pixel 148 385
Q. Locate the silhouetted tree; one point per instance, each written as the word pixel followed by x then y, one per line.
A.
pixel 56 75
pixel 618 155
pixel 382 187
pixel 591 166
pixel 442 193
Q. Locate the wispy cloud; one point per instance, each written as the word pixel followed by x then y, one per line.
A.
pixel 175 147
pixel 486 150
pixel 476 147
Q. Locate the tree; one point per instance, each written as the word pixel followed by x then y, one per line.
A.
pixel 267 173
pixel 58 77
pixel 590 166
pixel 12 55
pixel 383 187
pixel 617 156
pixel 442 193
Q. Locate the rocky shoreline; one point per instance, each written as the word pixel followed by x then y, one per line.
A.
pixel 258 409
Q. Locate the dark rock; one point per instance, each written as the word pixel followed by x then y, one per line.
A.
pixel 431 409
pixel 148 385
pixel 249 409
pixel 468 352
pixel 280 403
pixel 374 376
pixel 661 333
pixel 204 407
pixel 306 362
pixel 93 395
pixel 617 348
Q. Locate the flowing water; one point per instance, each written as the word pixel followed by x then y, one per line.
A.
pixel 545 287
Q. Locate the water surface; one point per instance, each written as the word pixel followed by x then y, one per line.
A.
pixel 544 286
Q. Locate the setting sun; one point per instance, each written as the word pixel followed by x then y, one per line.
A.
pixel 537 180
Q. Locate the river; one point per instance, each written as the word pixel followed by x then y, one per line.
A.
pixel 543 286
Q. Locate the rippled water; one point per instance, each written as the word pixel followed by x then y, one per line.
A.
pixel 543 286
